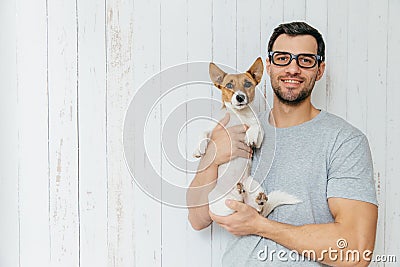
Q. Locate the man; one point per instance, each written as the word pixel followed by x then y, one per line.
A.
pixel 318 157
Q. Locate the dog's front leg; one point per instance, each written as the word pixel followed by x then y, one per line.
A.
pixel 252 136
pixel 260 137
pixel 202 145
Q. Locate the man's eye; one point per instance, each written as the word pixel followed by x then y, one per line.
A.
pixel 247 84
pixel 229 85
pixel 282 58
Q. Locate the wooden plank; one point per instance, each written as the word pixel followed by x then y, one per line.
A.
pixel 224 51
pixel 225 33
pixel 33 133
pixel 92 133
pixel 248 33
pixel 174 220
pixel 119 29
pixel 271 17
pixel 147 211
pixel 199 48
pixel 294 10
pixel 249 42
pixel 63 133
pixel 357 65
pixel 316 16
pixel 376 102
pixel 336 72
pixel 9 230
pixel 392 196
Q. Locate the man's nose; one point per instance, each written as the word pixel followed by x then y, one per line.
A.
pixel 293 68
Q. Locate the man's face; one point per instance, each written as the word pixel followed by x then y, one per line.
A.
pixel 293 84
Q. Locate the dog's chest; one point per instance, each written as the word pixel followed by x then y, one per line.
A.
pixel 244 117
pixel 238 167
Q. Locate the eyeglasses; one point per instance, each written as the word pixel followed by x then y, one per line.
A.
pixel 306 61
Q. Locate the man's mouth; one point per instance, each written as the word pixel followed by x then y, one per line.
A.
pixel 291 81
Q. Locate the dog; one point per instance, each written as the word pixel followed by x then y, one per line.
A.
pixel 234 180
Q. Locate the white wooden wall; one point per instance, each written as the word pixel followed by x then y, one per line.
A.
pixel 68 70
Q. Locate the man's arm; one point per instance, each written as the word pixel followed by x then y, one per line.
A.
pixel 355 221
pixel 197 194
pixel 225 144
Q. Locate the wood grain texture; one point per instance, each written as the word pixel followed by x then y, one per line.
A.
pixel 63 133
pixel 9 226
pixel 225 47
pixel 376 107
pixel 69 72
pixel 199 34
pixel 271 17
pixel 146 51
pixel 33 174
pixel 337 56
pixel 316 14
pixel 392 196
pixel 173 49
pixel 294 10
pixel 92 133
pixel 357 66
pixel 120 192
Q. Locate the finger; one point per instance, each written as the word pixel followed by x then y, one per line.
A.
pixel 241 128
pixel 241 145
pixel 242 154
pixel 235 205
pixel 218 219
pixel 223 122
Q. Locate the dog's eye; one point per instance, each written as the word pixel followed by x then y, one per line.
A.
pixel 229 85
pixel 247 84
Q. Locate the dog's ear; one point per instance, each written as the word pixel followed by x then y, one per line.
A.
pixel 256 70
pixel 216 74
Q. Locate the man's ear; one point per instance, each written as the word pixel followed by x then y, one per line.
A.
pixel 268 65
pixel 256 70
pixel 216 74
pixel 321 70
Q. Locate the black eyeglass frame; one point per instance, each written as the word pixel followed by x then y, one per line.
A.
pixel 318 58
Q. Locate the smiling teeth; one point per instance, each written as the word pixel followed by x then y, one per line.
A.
pixel 291 81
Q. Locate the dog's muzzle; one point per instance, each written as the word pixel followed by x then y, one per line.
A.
pixel 239 100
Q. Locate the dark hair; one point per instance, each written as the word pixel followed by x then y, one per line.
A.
pixel 298 28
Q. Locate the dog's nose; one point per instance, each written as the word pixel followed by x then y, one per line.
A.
pixel 240 98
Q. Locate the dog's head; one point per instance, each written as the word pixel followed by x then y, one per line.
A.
pixel 237 89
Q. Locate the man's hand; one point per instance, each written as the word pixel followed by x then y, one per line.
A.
pixel 242 222
pixel 225 144
pixel 228 143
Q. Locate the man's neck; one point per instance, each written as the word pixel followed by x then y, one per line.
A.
pixel 283 116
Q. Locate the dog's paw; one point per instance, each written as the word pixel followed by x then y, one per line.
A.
pixel 261 201
pixel 197 153
pixel 240 188
pixel 202 145
pixel 252 136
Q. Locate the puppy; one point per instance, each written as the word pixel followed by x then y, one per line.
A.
pixel 234 180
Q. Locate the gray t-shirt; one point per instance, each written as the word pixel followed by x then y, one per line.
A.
pixel 321 158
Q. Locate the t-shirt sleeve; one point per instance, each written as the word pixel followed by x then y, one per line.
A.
pixel 350 171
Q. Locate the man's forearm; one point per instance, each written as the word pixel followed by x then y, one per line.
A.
pixel 320 241
pixel 197 194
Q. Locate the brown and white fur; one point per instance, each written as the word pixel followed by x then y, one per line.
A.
pixel 234 180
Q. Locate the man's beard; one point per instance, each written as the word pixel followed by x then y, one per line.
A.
pixel 294 101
